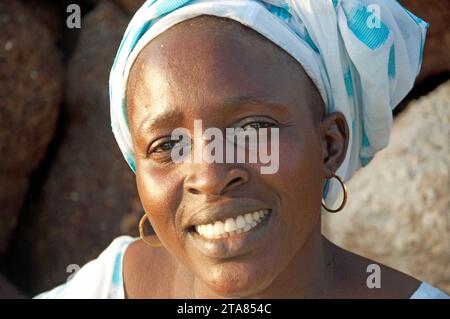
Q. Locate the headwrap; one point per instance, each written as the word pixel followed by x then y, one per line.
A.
pixel 362 55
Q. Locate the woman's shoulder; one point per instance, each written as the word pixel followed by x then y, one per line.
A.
pixel 356 276
pixel 367 278
pixel 99 278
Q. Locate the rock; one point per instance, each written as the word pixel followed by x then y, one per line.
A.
pixel 399 206
pixel 90 194
pixel 49 14
pixel 130 6
pixel 8 290
pixel 436 58
pixel 30 94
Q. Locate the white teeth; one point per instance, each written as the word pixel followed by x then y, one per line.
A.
pixel 209 231
pixel 231 226
pixel 240 222
pixel 218 228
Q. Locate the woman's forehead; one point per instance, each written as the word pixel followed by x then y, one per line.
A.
pixel 192 62
pixel 202 45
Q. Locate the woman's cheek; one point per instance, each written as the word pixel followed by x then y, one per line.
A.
pixel 159 191
pixel 299 175
pixel 296 156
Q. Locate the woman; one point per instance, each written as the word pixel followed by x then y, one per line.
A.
pixel 321 76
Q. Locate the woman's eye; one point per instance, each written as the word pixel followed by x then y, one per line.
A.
pixel 163 152
pixel 164 147
pixel 257 125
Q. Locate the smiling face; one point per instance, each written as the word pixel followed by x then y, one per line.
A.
pixel 226 75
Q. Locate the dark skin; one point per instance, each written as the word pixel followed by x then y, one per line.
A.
pixel 207 68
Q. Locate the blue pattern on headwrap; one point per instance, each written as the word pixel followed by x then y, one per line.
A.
pixel 117 272
pixel 391 65
pixel 365 145
pixel 280 12
pixel 348 82
pixel 163 7
pixel 372 36
pixel 310 41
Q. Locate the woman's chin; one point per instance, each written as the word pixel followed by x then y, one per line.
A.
pixel 237 279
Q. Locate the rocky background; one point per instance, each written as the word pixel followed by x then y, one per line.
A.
pixel 66 192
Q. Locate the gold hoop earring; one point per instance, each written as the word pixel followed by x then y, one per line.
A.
pixel 344 200
pixel 141 232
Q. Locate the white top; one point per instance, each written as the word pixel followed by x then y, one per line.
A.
pixel 101 278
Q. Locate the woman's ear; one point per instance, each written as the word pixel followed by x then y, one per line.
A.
pixel 334 134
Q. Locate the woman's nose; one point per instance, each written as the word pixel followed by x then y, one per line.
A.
pixel 215 178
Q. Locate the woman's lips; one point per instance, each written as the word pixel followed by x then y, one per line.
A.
pixel 233 243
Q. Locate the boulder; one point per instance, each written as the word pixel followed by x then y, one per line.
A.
pixel 436 60
pixel 30 95
pixel 89 196
pixel 8 290
pixel 129 6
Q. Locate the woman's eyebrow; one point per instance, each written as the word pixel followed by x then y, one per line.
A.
pixel 243 100
pixel 164 119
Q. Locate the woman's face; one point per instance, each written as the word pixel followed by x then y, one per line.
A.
pixel 228 76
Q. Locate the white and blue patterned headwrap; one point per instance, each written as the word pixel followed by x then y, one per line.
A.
pixel 363 56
